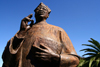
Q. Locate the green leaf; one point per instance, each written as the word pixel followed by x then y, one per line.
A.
pixel 83 63
pixel 94 42
pixel 89 50
pixel 93 54
pixel 91 60
pixel 92 46
pixel 97 61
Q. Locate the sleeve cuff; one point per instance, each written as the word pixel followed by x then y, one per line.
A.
pixel 16 35
pixel 69 60
pixel 16 42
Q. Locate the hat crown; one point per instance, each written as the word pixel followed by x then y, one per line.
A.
pixel 42 5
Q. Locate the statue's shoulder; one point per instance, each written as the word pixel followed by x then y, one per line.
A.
pixel 55 27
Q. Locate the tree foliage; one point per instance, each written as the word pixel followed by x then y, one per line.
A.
pixel 92 53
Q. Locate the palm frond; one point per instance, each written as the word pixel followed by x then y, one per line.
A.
pixel 97 61
pixel 91 60
pixel 92 46
pixel 83 63
pixel 94 42
pixel 90 54
pixel 89 50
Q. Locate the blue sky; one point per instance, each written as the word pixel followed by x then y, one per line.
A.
pixel 79 18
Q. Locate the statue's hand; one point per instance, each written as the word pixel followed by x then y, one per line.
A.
pixel 24 25
pixel 24 22
pixel 44 53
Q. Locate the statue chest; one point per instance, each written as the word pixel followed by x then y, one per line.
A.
pixel 36 37
pixel 46 41
pixel 45 35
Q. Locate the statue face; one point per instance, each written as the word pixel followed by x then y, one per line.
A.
pixel 41 11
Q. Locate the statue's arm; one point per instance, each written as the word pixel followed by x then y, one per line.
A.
pixel 15 43
pixel 11 49
pixel 68 55
pixel 17 40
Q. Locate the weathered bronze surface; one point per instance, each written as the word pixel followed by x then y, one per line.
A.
pixel 39 44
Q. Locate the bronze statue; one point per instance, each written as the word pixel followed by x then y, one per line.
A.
pixel 39 44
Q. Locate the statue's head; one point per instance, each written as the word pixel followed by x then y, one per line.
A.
pixel 42 11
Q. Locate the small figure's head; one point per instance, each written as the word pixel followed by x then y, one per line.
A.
pixel 42 11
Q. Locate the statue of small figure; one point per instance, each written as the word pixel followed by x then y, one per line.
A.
pixel 39 44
